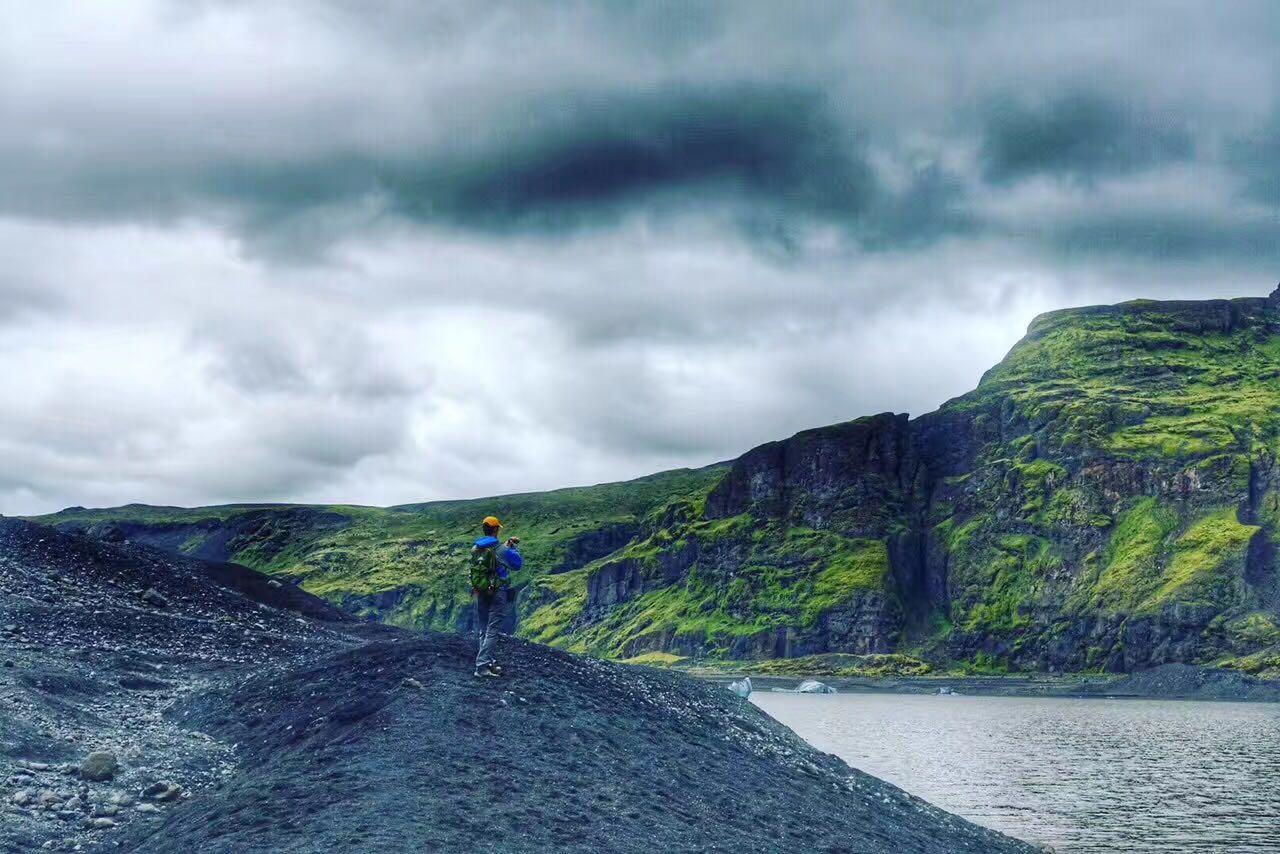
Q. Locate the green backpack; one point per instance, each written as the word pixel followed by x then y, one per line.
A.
pixel 484 568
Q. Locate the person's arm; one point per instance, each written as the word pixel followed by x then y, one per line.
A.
pixel 509 560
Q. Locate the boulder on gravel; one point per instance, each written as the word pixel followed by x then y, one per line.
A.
pixel 98 766
pixel 153 598
pixel 48 797
pixel 162 791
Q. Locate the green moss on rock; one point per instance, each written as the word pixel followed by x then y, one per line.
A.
pixel 1207 563
pixel 788 576
pixel 1132 562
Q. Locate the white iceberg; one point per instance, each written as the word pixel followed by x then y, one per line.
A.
pixel 812 686
pixel 808 686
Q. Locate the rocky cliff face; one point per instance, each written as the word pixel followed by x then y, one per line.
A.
pixel 1105 499
pixel 1111 506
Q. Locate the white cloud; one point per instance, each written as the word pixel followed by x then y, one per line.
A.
pixel 179 372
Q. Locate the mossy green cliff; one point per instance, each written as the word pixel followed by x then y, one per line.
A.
pixel 1107 498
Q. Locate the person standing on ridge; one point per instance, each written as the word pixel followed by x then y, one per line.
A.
pixel 491 566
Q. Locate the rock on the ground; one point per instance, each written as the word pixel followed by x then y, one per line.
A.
pixel 162 791
pixel 99 766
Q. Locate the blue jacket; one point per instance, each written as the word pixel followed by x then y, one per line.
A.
pixel 509 560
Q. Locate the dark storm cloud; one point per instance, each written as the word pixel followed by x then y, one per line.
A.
pixel 577 161
pixel 932 205
pixel 246 193
pixel 562 163
pixel 1081 136
pixel 585 114
pixel 1174 236
pixel 773 147
pixel 1256 158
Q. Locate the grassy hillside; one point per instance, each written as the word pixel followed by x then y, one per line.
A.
pixel 401 564
pixel 729 588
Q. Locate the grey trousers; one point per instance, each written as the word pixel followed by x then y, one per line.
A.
pixel 490 609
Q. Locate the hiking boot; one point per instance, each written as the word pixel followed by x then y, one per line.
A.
pixel 485 671
pixel 495 669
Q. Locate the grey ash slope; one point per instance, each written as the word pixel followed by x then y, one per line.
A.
pixel 292 733
pixel 95 641
pixel 566 754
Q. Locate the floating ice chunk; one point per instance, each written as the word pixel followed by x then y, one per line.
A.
pixel 808 686
pixel 812 686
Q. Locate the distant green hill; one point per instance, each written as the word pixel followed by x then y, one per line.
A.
pixel 402 564
pixel 1107 498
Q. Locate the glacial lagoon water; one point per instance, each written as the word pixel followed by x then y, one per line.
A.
pixel 1083 776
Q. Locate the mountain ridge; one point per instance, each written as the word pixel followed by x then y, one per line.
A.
pixel 1106 498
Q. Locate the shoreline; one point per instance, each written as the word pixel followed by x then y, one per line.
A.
pixel 1168 682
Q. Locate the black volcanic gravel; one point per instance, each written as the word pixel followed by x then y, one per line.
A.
pixel 286 728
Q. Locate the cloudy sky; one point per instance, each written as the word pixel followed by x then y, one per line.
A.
pixel 379 252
